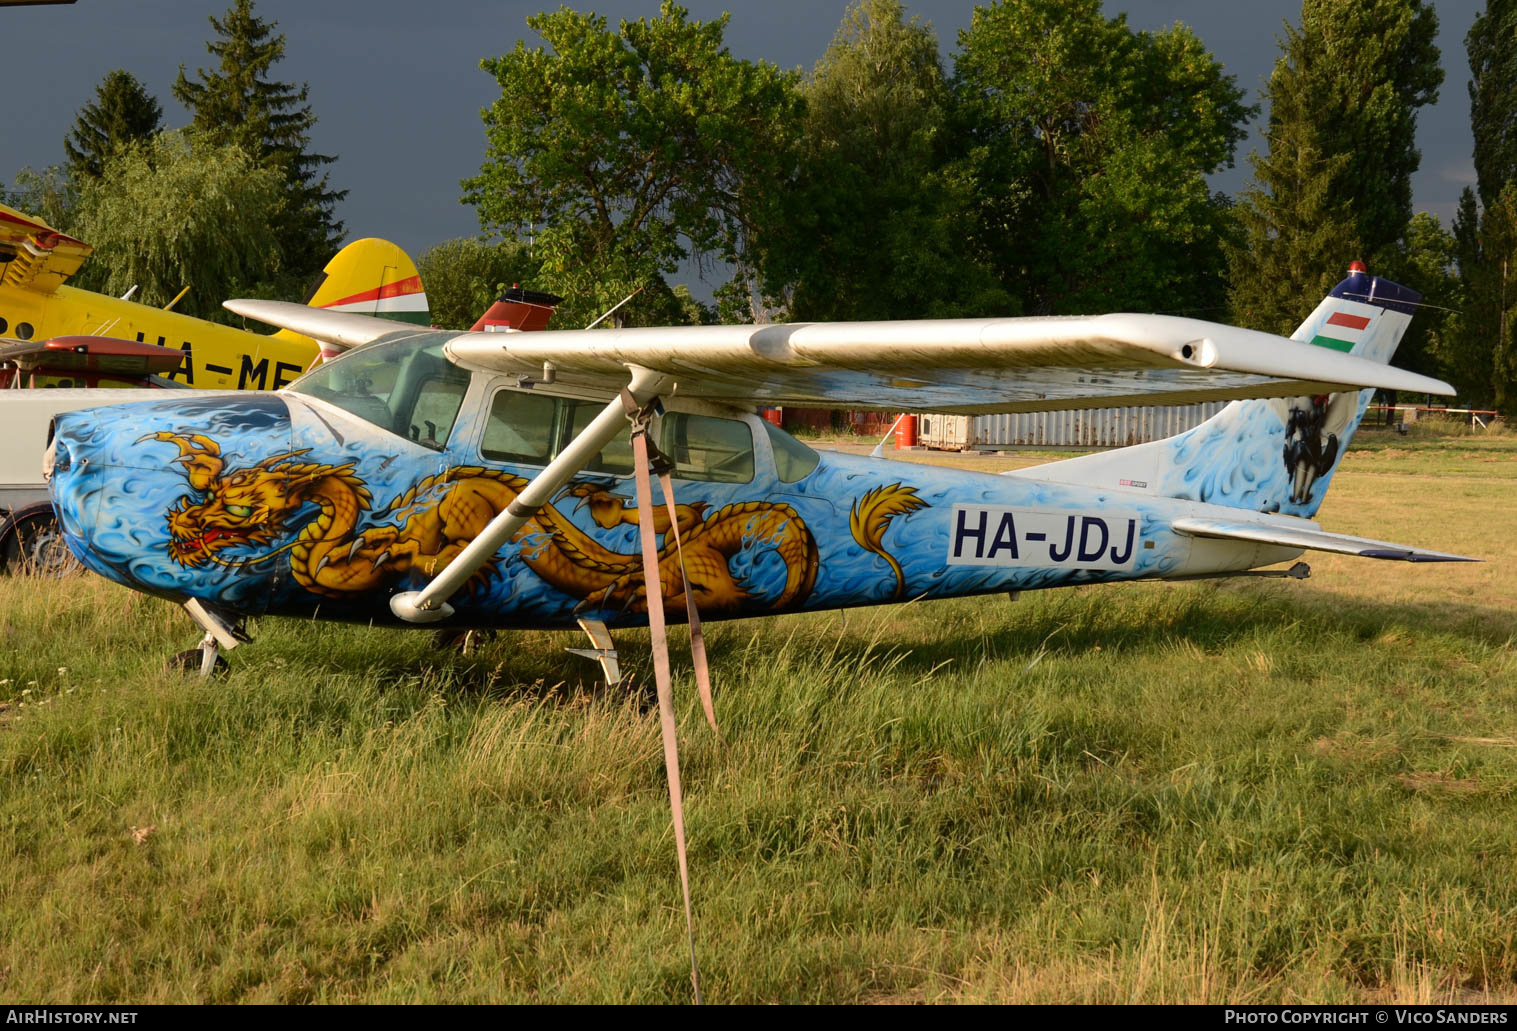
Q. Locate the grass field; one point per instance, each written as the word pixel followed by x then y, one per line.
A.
pixel 1249 791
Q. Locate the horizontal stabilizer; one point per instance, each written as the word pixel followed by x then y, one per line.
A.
pixel 90 354
pixel 1311 540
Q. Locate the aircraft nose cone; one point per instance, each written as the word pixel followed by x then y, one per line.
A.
pixel 143 493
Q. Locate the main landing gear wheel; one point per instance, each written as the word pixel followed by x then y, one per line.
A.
pixel 36 546
pixel 191 662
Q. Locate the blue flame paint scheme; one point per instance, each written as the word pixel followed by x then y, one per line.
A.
pixel 1235 459
pixel 116 488
pixel 1275 456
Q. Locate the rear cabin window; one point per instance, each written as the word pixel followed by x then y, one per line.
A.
pixel 707 448
pixel 793 461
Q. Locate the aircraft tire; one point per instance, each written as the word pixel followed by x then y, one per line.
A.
pixel 35 546
pixel 188 663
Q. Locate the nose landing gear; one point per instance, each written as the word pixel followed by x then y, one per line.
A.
pixel 220 632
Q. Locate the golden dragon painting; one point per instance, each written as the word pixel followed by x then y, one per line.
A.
pixel 426 526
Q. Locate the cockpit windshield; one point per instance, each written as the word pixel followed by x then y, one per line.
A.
pixel 405 386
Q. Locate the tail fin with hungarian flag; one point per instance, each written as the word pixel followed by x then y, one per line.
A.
pixel 368 277
pixel 1269 455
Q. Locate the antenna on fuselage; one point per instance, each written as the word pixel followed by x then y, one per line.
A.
pixel 879 449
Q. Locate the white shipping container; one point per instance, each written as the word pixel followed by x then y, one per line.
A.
pixel 943 432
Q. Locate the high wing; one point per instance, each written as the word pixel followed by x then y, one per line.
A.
pixel 1311 539
pixel 940 365
pixel 35 255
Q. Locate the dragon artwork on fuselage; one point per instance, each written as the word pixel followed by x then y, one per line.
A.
pixel 424 528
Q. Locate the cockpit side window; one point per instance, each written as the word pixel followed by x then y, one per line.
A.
pixel 437 403
pixel 707 448
pixel 531 429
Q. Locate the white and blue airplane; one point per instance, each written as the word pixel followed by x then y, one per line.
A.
pixel 485 480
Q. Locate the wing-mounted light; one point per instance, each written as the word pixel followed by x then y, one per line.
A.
pixel 1201 353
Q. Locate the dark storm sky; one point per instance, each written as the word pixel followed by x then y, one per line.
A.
pixel 397 86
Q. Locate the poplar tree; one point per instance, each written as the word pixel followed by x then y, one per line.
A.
pixel 122 112
pixel 1491 45
pixel 238 102
pixel 1480 354
pixel 1336 182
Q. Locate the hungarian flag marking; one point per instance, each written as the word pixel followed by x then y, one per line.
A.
pixel 1341 331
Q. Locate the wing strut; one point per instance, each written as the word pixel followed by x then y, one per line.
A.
pixel 430 604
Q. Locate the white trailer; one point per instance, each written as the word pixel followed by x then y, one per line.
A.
pixel 29 536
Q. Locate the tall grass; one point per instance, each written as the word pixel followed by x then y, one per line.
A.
pixel 1247 791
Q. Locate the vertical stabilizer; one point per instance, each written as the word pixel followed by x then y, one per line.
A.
pixel 1266 455
pixel 368 277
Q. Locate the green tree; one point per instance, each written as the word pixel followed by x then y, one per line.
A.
pixel 122 112
pixel 1430 266
pixel 177 211
pixel 1089 146
pixel 237 102
pixel 1479 354
pixel 49 195
pixel 620 154
pixel 464 277
pixel 873 227
pixel 1336 183
pixel 1491 45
